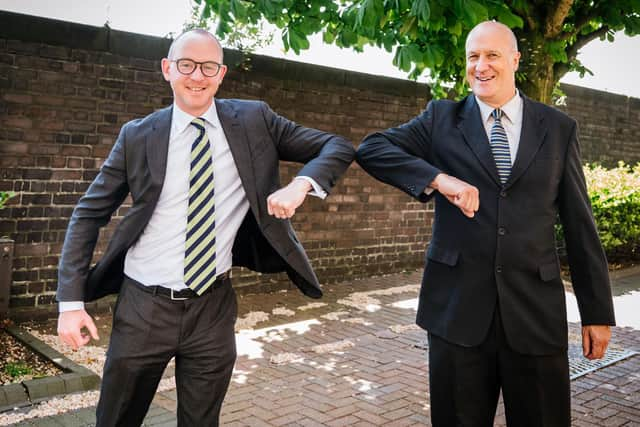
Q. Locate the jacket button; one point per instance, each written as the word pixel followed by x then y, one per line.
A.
pixel 499 269
pixel 503 194
pixel 502 231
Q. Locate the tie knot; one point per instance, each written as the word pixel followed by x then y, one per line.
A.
pixel 198 122
pixel 496 114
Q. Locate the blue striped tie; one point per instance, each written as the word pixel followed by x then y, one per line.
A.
pixel 500 146
pixel 200 246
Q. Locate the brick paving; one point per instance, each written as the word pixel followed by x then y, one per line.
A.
pixel 377 377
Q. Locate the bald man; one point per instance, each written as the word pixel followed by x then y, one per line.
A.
pixel 501 168
pixel 201 175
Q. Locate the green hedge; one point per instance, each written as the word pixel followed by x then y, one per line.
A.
pixel 615 198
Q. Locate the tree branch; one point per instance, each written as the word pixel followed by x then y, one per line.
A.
pixel 553 26
pixel 561 68
pixel 582 40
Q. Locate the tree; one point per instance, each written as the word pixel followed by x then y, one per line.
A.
pixel 429 35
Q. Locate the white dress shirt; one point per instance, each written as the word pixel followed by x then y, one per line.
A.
pixel 157 257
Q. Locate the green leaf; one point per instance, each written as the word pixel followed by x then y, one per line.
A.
pixel 421 9
pixel 509 19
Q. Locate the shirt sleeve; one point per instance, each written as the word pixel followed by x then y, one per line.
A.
pixel 70 306
pixel 317 190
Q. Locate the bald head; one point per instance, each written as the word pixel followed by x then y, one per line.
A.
pixel 498 29
pixel 492 61
pixel 178 42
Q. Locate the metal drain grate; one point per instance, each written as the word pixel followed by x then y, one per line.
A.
pixel 579 365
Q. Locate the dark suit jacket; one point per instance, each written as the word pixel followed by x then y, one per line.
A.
pixel 258 139
pixel 506 254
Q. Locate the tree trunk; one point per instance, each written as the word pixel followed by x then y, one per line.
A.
pixel 536 77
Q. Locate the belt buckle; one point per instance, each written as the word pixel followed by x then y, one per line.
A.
pixel 176 298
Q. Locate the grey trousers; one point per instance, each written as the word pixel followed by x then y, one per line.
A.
pixel 148 330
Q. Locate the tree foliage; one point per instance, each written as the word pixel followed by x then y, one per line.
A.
pixel 429 35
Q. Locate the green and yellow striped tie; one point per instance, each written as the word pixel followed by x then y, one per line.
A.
pixel 200 247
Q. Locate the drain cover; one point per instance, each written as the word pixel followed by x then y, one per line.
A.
pixel 579 365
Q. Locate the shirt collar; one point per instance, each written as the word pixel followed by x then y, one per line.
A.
pixel 181 120
pixel 512 110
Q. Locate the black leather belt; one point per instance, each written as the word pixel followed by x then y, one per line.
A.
pixel 182 294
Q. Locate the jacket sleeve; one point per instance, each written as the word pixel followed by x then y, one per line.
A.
pixel 401 156
pixel 105 194
pixel 325 156
pixel 587 261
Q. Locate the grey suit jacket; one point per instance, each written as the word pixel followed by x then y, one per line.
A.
pixel 258 138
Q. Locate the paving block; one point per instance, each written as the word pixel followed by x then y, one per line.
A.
pixel 12 394
pixel 72 382
pixel 44 387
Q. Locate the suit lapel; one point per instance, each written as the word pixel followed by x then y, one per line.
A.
pixel 472 128
pixel 239 145
pixel 157 144
pixel 531 138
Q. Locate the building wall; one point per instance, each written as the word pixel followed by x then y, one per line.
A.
pixel 66 89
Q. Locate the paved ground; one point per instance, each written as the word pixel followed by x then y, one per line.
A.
pixel 354 362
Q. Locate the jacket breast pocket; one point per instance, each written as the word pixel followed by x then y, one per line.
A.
pixel 443 255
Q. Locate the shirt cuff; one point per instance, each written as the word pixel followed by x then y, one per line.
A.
pixel 317 190
pixel 70 306
pixel 428 191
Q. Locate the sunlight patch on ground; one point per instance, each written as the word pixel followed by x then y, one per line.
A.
pixel 284 358
pixel 357 321
pixel 240 376
pixel 410 304
pixel 401 329
pixel 312 305
pixel 334 315
pixel 327 366
pixel 362 385
pixel 250 320
pixel 337 346
pixel 626 306
pixel 281 311
pixel 248 341
pixel 363 301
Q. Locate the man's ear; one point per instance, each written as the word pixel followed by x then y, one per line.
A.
pixel 516 59
pixel 165 65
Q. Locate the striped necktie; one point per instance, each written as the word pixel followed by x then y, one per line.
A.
pixel 500 146
pixel 200 247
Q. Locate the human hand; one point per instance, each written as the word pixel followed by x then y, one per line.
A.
pixel 595 339
pixel 283 203
pixel 70 324
pixel 463 195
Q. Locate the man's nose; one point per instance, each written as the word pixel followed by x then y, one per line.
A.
pixel 197 73
pixel 482 64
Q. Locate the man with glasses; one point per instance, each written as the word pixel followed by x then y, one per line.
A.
pixel 203 178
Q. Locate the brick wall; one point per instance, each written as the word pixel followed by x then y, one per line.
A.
pixel 66 89
pixel 609 125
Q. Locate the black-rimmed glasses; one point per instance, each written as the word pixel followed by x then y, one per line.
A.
pixel 188 66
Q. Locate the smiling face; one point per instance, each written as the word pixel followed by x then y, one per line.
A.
pixel 193 93
pixel 492 61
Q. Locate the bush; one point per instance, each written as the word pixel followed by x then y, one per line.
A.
pixel 615 198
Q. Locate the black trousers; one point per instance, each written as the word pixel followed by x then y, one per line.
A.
pixel 148 330
pixel 465 383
